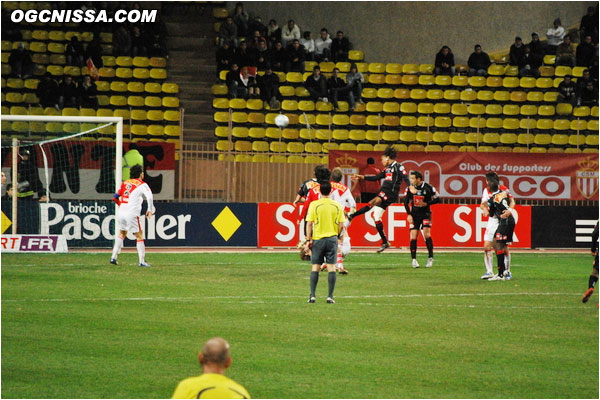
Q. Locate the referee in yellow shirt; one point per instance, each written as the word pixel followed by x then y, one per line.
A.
pixel 325 223
pixel 212 384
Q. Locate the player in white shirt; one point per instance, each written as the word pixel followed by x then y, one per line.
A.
pixel 344 197
pixel 492 226
pixel 130 198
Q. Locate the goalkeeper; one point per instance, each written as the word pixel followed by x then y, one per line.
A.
pixel 130 198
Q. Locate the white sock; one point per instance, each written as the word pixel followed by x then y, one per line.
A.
pixel 141 248
pixel 507 261
pixel 117 248
pixel 488 258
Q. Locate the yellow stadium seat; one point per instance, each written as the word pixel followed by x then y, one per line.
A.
pixel 323 119
pixel 592 125
pixel 441 108
pixel 340 134
pixel 391 120
pixel 356 55
pixel 443 122
pixel 477 122
pixel 484 95
pixel 376 68
pixel 544 124
pixel 390 136
pixel 374 120
pixel 564 109
pixel 242 145
pixel 401 93
pixel 424 137
pixel 140 62
pixel 355 135
pixel 495 69
pixel 391 107
pixel 510 82
pixel 493 109
pixel 527 124
pixel 551 97
pixel 460 122
pixel 501 96
pixel 459 109
pixel 427 80
pixel 581 111
pixel 562 70
pixel 418 94
pixel 510 109
pixel 435 94
pixel 518 96
pixel 158 73
pixel 510 124
pixel 491 138
pixel 440 137
pixel 546 111
pixel 477 81
pixel 124 61
pixel 374 107
pixel 408 121
pixel 408 108
pixel 528 110
pixel 544 83
pixel 546 71
pixel 170 102
pixel 468 95
pixel 154 115
pixel 493 81
pixel 348 147
pixel 393 68
pixel 408 136
pixel 15 83
pixel 494 123
pixel 457 137
pixel 157 62
pixel 410 69
pixel 340 120
pixel 508 138
pixel 425 108
pixel 451 94
pixel 474 137
pixel 141 73
pixel 426 69
pixel 476 109
pixel 385 93
pixel 410 80
pixel 326 66
pixel 594 111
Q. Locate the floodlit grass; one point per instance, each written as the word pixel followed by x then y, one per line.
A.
pixel 74 326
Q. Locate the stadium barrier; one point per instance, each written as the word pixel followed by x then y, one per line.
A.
pixel 563 227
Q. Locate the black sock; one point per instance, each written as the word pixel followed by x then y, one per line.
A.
pixel 501 266
pixel 331 278
pixel 413 248
pixel 363 210
pixel 429 243
pixel 592 281
pixel 379 226
pixel 314 278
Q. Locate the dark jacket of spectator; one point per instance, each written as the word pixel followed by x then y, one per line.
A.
pixel 47 91
pixel 74 52
pixel 87 93
pixel 516 52
pixel 340 46
pixel 536 46
pixel 589 22
pixel 228 31
pixel 277 57
pixel 245 56
pixel 122 42
pixel 442 59
pixel 269 86
pixel 567 90
pixel 295 57
pixel 20 61
pixel 479 61
pixel 155 45
pixel 585 54
pixel 138 43
pixel 316 85
pixel 262 56
pixel 589 95
pixel 256 24
pixel 224 57
pixel 533 60
pixel 94 51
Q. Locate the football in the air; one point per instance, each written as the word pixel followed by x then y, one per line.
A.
pixel 282 121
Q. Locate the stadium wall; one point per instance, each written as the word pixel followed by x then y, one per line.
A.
pixel 413 32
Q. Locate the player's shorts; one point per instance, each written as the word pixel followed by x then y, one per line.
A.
pixel 421 221
pixel 128 222
pixel 387 198
pixel 505 231
pixel 324 250
pixel 490 230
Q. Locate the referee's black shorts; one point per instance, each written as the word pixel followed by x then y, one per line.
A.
pixel 324 251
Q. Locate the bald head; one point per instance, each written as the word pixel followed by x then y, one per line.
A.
pixel 215 351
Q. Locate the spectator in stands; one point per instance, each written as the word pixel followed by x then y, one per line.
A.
pixel 156 46
pixel 68 93
pixel 255 39
pixel 94 51
pixel 138 43
pixel 565 53
pixel 231 76
pixel 240 18
pixel 478 62
pixel 567 91
pixel 588 96
pixel 586 52
pixel 228 32
pixel 269 88
pixel 323 46
pixel 369 189
pixel 47 91
pixel 589 24
pixel 338 89
pixel 290 32
pixel 444 62
pixel 583 81
pixel 74 52
pixel 241 84
pixel 317 86
pixel 536 46
pixel 122 42
pixel 355 80
pixel 277 57
pixel 225 56
pixel 555 36
pixel 20 62
pixel 245 56
pixel 273 33
pixel 517 50
pixel 529 64
pixel 295 57
pixel 262 55
pixel 340 46
pixel 256 24
pixel 309 46
pixel 88 93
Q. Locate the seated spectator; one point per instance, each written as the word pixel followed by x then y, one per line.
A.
pixel 290 32
pixel 588 96
pixel 240 18
pixel 517 50
pixel 88 93
pixel 530 63
pixel 67 92
pixel 565 53
pixel 309 46
pixel 20 62
pixel 567 91
pixel 589 24
pixel 323 46
pixel 47 91
pixel 338 89
pixel 240 83
pixel 555 36
pixel 74 52
pixel 273 33
pixel 444 62
pixel 269 88
pixel 536 46
pixel 122 42
pixel 255 39
pixel 478 62
pixel 316 84
pixel 586 52
pixel 355 80
pixel 228 33
pixel 340 46
pixel 277 57
pixel 262 55
pixel 244 56
pixel 583 81
pixel 225 56
pixel 94 51
pixel 295 57
pixel 256 24
pixel 9 193
pixel 156 46
pixel 138 43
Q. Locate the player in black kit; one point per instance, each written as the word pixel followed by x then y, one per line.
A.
pixel 417 199
pixel 393 175
pixel 498 203
pixel 594 276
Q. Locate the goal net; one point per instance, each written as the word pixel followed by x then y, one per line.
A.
pixel 61 173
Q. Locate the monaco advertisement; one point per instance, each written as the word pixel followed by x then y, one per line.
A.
pixel 462 175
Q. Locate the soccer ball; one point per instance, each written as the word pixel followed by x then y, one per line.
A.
pixel 282 121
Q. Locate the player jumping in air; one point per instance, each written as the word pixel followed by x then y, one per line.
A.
pixel 420 195
pixel 498 203
pixel 393 175
pixel 594 276
pixel 130 198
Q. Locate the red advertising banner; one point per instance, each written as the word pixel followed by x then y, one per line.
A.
pixel 461 175
pixel 452 226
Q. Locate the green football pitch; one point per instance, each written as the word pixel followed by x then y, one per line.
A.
pixel 74 326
